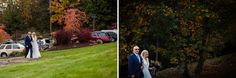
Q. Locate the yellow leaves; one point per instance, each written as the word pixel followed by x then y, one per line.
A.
pixel 190 52
pixel 174 60
pixel 204 10
pixel 125 47
pixel 151 12
pixel 55 17
pixel 198 18
pixel 56 7
pixel 168 11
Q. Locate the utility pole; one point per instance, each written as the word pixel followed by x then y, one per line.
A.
pixel 94 21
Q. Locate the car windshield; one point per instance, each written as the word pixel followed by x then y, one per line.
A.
pixel 2 46
pixel 111 34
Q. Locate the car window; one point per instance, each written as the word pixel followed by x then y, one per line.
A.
pixel 8 47
pixel 2 46
pixel 16 47
pixel 102 34
pixel 114 34
pixel 47 41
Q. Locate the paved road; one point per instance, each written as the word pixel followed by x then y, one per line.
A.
pixel 12 60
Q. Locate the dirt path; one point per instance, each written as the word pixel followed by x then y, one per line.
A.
pixel 12 60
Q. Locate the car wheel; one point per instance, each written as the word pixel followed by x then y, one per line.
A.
pixel 3 55
pixel 99 41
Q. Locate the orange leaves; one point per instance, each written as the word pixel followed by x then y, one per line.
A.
pixel 70 17
pixel 3 34
pixel 74 19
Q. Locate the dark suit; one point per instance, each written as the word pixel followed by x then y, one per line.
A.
pixel 28 45
pixel 134 66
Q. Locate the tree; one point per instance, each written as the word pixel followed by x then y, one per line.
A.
pixel 179 32
pixel 67 15
pixel 26 15
pixel 74 19
pixel 105 11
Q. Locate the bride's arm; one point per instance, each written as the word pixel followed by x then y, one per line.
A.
pixel 34 37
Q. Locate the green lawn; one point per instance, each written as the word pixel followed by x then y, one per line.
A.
pixel 99 61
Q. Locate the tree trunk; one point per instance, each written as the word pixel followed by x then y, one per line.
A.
pixel 200 64
pixel 201 60
pixel 186 71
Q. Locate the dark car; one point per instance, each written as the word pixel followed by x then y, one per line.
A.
pixel 113 35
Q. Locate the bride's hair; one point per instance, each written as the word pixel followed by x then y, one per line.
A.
pixel 34 35
pixel 144 51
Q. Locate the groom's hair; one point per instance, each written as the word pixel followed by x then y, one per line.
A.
pixel 29 32
pixel 135 47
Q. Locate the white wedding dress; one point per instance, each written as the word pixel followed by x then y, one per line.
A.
pixel 146 72
pixel 35 48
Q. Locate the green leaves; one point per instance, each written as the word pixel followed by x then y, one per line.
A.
pixel 105 11
pixel 22 16
pixel 176 30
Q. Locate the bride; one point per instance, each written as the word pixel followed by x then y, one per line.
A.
pixel 35 47
pixel 146 72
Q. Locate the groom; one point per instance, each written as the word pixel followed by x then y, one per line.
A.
pixel 135 64
pixel 28 45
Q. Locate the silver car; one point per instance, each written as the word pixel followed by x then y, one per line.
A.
pixel 7 49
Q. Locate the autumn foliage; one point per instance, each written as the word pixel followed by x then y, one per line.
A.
pixel 74 18
pixel 3 34
pixel 69 17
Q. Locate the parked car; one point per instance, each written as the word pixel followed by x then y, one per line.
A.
pixel 115 31
pixel 101 37
pixel 87 35
pixel 7 49
pixel 113 35
pixel 44 43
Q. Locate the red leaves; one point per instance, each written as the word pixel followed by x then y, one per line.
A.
pixel 74 19
pixel 3 34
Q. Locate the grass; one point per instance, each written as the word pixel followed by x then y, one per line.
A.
pixel 99 61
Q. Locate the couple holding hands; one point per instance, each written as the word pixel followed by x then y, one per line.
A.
pixel 138 65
